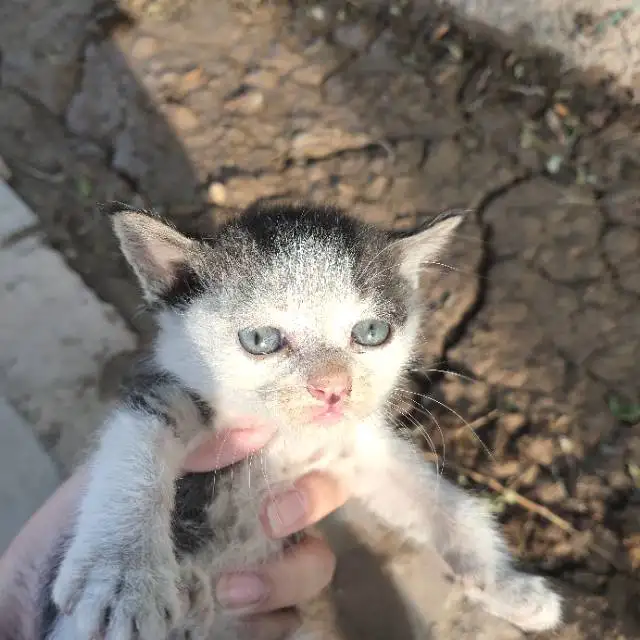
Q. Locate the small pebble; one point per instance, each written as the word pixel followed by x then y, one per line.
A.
pixel 144 48
pixel 249 102
pixel 5 172
pixel 552 492
pixel 183 118
pixel 506 469
pixel 541 450
pixel 512 422
pixel 217 193
pixel 376 188
pixel 530 476
pixel 317 13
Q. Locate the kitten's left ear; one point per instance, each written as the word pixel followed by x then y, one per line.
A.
pixel 417 247
pixel 158 253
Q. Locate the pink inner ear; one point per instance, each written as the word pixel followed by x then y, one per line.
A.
pixel 167 258
pixel 152 248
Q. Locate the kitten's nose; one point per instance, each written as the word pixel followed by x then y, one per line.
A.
pixel 330 386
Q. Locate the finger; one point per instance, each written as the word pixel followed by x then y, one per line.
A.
pixel 225 447
pixel 271 626
pixel 299 575
pixel 313 497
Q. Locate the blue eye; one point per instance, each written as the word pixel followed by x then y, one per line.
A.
pixel 371 333
pixel 261 341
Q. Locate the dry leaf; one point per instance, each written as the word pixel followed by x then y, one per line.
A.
pixel 192 79
pixel 561 109
pixel 632 543
pixel 441 31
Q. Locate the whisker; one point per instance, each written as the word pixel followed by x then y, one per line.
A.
pixel 225 438
pixel 415 423
pixel 366 272
pixel 430 415
pixel 457 415
pixel 466 272
pixel 265 475
pixel 425 435
pixel 448 372
pixel 418 407
pixel 250 458
pixel 438 470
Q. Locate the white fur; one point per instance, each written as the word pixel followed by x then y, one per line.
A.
pixel 308 295
pixel 122 556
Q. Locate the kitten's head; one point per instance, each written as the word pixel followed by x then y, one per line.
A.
pixel 298 314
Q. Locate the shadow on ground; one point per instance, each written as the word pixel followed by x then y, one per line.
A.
pixel 199 108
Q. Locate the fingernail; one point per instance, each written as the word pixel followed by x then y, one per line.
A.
pixel 240 590
pixel 286 513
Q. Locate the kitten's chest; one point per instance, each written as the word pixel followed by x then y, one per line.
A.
pixel 276 467
pixel 289 457
pixel 232 518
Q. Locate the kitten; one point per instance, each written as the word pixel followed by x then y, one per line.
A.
pixel 306 317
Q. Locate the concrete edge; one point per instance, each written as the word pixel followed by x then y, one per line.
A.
pixel 28 476
pixel 56 337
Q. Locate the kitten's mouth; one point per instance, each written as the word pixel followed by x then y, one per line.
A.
pixel 327 415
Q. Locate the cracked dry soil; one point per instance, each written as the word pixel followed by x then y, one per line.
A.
pixel 199 108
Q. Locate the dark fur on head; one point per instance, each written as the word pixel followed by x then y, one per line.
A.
pixel 262 232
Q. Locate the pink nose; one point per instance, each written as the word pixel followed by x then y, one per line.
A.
pixel 330 387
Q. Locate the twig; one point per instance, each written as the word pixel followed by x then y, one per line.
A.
pixel 478 423
pixel 53 178
pixel 527 91
pixel 512 496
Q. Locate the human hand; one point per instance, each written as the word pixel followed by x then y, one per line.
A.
pixel 263 596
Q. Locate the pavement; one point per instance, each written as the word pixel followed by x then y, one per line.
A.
pixel 55 338
pixel 27 474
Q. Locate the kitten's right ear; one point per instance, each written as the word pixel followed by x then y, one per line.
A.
pixel 416 247
pixel 159 254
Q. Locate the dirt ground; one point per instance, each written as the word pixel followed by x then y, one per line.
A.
pixel 197 108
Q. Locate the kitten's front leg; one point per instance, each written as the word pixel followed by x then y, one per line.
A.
pixel 409 496
pixel 120 577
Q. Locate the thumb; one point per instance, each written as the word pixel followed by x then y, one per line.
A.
pixel 225 447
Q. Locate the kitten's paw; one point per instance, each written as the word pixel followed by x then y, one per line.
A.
pixel 525 601
pixel 198 605
pixel 119 595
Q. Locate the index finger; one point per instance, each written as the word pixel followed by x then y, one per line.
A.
pixel 314 496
